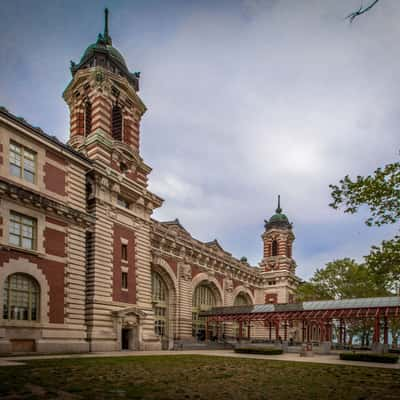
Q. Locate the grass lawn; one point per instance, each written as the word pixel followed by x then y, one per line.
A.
pixel 194 377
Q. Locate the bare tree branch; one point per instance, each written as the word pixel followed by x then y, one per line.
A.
pixel 360 11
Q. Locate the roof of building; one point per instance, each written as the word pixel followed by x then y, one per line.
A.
pixel 278 220
pixel 371 302
pixel 103 46
pixel 53 139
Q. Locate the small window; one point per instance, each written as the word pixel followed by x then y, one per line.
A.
pixel 88 118
pixel 22 162
pixel 124 281
pixel 124 252
pixel 22 231
pixel 116 123
pixel 123 202
pixel 274 248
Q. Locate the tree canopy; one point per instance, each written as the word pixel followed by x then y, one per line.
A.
pixel 341 279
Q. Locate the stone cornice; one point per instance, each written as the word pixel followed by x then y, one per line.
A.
pixel 39 201
pixel 192 251
pixel 91 74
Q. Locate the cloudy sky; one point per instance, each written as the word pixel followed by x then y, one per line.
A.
pixel 246 99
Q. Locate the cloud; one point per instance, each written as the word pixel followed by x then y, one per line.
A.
pixel 247 99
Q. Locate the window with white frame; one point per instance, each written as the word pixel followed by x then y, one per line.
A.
pixel 21 298
pixel 22 231
pixel 22 162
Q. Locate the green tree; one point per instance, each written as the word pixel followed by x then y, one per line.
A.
pixel 380 193
pixel 340 279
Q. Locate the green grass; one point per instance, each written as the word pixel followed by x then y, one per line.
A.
pixel 194 377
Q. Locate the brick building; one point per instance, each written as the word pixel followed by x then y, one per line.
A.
pixel 83 265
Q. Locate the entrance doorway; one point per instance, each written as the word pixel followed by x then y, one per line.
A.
pixel 125 339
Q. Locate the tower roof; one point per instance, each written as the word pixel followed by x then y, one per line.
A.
pixel 102 53
pixel 278 220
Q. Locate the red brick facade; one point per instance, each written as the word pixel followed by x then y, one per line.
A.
pixel 54 273
pixel 119 294
pixel 271 298
pixel 54 179
pixel 54 242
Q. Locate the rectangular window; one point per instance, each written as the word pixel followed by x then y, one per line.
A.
pixel 122 202
pixel 124 282
pixel 124 252
pixel 22 231
pixel 22 162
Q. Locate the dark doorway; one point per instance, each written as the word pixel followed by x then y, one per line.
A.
pixel 125 339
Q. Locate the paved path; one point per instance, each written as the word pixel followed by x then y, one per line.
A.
pixel 319 359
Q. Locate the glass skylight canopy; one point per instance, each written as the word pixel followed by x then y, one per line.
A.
pixel 371 302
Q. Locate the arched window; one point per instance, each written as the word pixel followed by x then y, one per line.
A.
pixel 160 304
pixel 242 299
pixel 116 123
pixel 21 298
pixel 203 299
pixel 274 248
pixel 88 118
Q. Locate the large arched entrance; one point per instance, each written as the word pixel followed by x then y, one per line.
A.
pixel 241 299
pixel 204 298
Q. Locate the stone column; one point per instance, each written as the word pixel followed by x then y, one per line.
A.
pixel 184 305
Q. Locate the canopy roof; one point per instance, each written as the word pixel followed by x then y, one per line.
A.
pixel 324 305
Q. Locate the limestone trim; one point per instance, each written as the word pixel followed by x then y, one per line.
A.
pixel 165 267
pixel 24 266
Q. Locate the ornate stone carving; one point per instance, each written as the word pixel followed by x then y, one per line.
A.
pixel 229 285
pixel 116 188
pixel 185 272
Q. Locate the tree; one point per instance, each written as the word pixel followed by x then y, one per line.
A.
pixel 361 11
pixel 340 279
pixel 380 192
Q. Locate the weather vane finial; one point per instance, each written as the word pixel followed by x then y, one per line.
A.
pixel 106 36
pixel 279 209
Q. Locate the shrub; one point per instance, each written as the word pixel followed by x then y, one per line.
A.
pixel 370 357
pixel 259 350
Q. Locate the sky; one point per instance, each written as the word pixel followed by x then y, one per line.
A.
pixel 246 100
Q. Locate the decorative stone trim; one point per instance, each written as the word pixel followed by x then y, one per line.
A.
pixel 37 200
pixel 24 266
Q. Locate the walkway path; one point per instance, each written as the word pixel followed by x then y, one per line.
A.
pixel 321 359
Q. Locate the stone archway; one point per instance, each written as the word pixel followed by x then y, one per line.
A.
pixel 129 321
pixel 244 293
pixel 206 294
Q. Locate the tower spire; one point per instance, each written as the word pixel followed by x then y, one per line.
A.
pixel 279 209
pixel 107 37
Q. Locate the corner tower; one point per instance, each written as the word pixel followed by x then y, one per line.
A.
pixel 105 113
pixel 278 240
pixel 105 108
pixel 278 265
